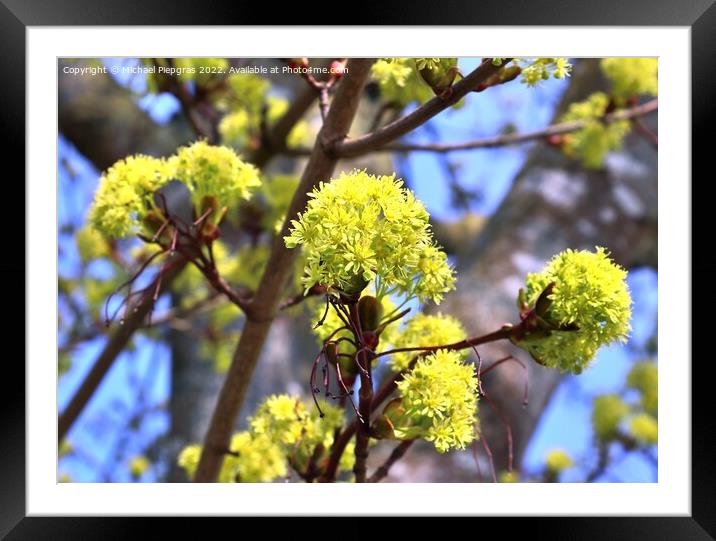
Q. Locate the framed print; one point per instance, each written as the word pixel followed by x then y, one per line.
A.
pixel 282 266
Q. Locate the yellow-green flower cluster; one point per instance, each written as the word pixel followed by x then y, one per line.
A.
pixel 65 448
pixel 591 296
pixel 234 128
pixel 426 330
pixel 248 92
pixel 91 244
pixel 608 411
pixel 253 459
pixel 126 194
pixel 64 363
pixel 592 142
pixel 439 398
pixel 558 460
pixel 283 432
pixel 126 191
pixel 244 106
pixel 276 108
pixel 435 275
pixel 188 459
pixel 632 76
pixel 611 414
pixel 629 78
pixel 298 428
pixel 360 227
pixel 534 72
pixel 431 63
pixel 138 465
pixel 509 477
pixel 644 428
pixel 438 73
pixel 241 124
pixel 201 70
pixel 644 377
pixel 216 171
pixel 399 81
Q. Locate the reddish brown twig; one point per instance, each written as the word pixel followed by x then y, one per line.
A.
pixel 397 453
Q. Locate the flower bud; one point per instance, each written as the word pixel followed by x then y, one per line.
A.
pixel 337 69
pixel 332 352
pixel 504 75
pixel 298 62
pixel 209 233
pixel 217 214
pixel 555 140
pixel 384 426
pixel 370 312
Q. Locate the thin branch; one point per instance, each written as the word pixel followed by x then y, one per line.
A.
pixel 115 345
pixel 401 126
pixel 396 455
pixel 501 334
pixel 633 113
pixel 175 87
pixel 602 463
pixel 649 135
pixel 275 139
pixel 298 298
pixel 267 300
pixel 365 395
pixel 517 138
pixel 179 312
pixel 342 440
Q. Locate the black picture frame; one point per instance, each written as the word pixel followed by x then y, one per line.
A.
pixel 17 15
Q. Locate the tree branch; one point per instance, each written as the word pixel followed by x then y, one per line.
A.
pixel 396 455
pixel 180 313
pixel 275 139
pixel 401 126
pixel 633 113
pixel 262 311
pixel 500 334
pixel 517 138
pixel 115 345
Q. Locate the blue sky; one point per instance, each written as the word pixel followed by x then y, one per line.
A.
pixel 101 433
